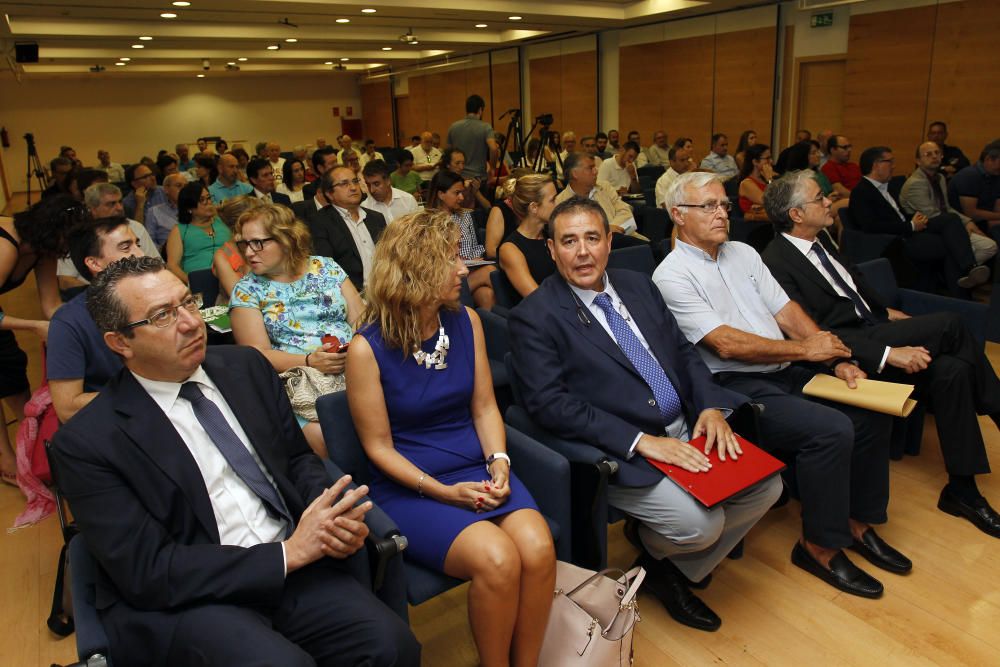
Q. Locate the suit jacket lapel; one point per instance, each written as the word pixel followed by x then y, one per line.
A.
pixel 148 427
pixel 594 333
pixel 799 263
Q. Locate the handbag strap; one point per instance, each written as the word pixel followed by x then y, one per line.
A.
pixel 637 574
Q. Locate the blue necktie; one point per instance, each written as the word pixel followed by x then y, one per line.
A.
pixel 233 450
pixel 650 369
pixel 859 303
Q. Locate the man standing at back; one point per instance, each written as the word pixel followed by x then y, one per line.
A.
pixel 475 138
pixel 218 536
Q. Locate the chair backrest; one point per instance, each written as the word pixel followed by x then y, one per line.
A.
pixel 636 258
pixel 654 223
pixel 495 333
pixel 343 445
pixel 503 290
pixel 878 273
pixel 847 218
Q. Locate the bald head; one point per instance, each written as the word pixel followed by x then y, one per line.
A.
pixel 228 168
pixel 426 140
pixel 929 157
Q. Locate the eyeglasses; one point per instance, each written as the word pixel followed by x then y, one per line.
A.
pixel 710 207
pixel 818 199
pixel 254 244
pixel 144 176
pixel 164 318
pixel 341 184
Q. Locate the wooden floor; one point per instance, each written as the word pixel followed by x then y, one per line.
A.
pixel 947 612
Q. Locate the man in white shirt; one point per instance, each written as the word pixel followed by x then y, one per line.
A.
pixel 370 153
pixel 346 144
pixel 116 173
pixel 658 152
pixel 425 157
pixel 620 171
pixel 679 164
pixel 719 161
pixel 391 202
pixel 641 159
pixel 200 499
pixel 277 162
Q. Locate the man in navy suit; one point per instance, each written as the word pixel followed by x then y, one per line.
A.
pixel 260 173
pixel 602 360
pixel 219 537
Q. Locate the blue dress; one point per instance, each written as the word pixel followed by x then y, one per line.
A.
pixel 431 422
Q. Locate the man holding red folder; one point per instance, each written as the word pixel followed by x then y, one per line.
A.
pixel 749 332
pixel 936 351
pixel 602 360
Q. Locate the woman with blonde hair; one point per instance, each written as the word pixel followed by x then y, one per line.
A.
pixel 524 256
pixel 228 264
pixel 291 301
pixel 502 219
pixel 421 397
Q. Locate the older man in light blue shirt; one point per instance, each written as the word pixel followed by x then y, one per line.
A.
pixel 737 315
pixel 719 161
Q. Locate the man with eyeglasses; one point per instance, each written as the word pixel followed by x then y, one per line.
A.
pixel 210 516
pixel 760 343
pixel 344 231
pixel 145 192
pixel 352 160
pixel 940 243
pixel 838 167
pixel 925 191
pixel 936 352
pixel 78 363
pixel 228 184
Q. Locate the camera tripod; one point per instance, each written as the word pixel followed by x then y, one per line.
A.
pixel 34 167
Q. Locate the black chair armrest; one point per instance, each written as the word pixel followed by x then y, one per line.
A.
pixel 973 314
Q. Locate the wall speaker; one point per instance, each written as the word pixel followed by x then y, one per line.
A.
pixel 26 53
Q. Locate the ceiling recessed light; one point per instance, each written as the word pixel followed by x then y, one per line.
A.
pixel 181 3
pixel 328 62
pixel 481 25
pixel 168 15
pixel 201 76
pixel 343 20
pixel 120 64
pixel 291 40
pixel 414 43
pixel 368 11
pixel 387 48
pixel 344 60
pixel 232 63
pixel 273 47
pixel 242 60
pixel 145 38
pixel 124 60
pixel 514 18
pixel 138 46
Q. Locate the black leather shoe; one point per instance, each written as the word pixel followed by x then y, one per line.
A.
pixel 670 587
pixel 842 573
pixel 877 552
pixel 978 512
pixel 632 535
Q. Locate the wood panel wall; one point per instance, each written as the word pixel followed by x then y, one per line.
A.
pixel 697 86
pixel 566 87
pixel 376 111
pixel 886 81
pixel 965 73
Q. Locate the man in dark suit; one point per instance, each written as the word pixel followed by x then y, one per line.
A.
pixel 260 173
pixel 939 241
pixel 601 360
pixel 217 537
pixel 936 351
pixel 345 231
pixel 323 160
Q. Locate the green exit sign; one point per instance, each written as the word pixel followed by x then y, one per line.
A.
pixel 824 20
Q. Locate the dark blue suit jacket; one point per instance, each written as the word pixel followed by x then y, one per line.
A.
pixel 578 383
pixel 142 506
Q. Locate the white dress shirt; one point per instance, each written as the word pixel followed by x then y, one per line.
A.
pixel 362 237
pixel 240 514
pixel 399 205
pixel 806 248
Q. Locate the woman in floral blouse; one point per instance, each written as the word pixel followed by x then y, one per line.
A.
pixel 290 300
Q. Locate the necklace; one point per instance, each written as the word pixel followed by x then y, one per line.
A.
pixel 435 359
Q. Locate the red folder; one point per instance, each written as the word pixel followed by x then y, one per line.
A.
pixel 726 478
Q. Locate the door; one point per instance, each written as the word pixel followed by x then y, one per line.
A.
pixel 821 95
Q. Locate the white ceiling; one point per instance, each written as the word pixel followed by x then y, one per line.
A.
pixel 76 35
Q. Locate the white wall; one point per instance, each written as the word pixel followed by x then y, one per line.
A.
pixel 133 117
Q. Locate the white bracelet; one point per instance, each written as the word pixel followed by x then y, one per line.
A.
pixel 497 455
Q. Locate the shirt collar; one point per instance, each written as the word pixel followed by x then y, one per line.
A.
pixel 802 245
pixel 165 393
pixel 697 253
pixel 587 296
pixel 882 187
pixel 347 215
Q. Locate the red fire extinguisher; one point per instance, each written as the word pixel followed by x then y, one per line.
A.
pixel 4 137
